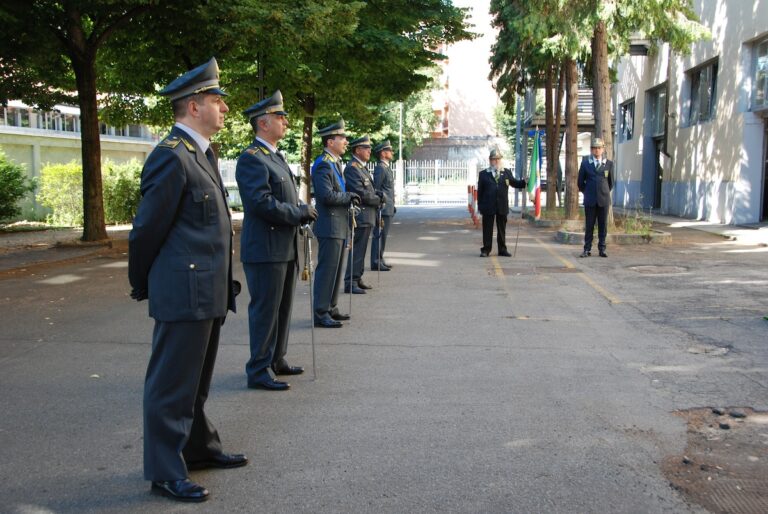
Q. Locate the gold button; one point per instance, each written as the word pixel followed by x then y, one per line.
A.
pixel 191 266
pixel 206 195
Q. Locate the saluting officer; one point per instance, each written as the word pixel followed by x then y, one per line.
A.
pixel 493 201
pixel 384 183
pixel 359 181
pixel 269 242
pixel 332 202
pixel 180 257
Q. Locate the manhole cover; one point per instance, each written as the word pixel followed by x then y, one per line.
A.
pixel 658 270
pixel 517 271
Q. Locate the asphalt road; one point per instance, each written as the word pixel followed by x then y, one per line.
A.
pixel 539 383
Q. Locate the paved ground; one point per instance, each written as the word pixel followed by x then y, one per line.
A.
pixel 540 383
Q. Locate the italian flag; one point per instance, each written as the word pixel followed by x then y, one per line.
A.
pixel 534 177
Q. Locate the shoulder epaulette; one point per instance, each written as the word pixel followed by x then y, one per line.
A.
pixel 328 158
pixel 169 142
pixel 251 151
pixel 357 164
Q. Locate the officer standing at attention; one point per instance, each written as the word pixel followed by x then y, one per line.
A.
pixel 384 183
pixel 269 241
pixel 359 181
pixel 332 202
pixel 180 257
pixel 596 182
pixel 493 201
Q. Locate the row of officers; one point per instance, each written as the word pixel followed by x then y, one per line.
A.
pixel 181 251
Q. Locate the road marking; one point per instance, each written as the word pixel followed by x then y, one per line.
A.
pixel 612 299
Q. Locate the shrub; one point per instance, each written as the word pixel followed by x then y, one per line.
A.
pixel 14 184
pixel 121 183
pixel 61 190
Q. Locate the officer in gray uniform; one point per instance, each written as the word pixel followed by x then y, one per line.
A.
pixel 269 240
pixel 180 257
pixel 384 183
pixel 359 181
pixel 332 202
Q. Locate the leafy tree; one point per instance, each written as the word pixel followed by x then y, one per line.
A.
pixel 53 54
pixel 537 37
pixel 13 186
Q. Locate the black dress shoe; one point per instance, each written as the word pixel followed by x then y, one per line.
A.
pixel 505 254
pixel 181 490
pixel 328 323
pixel 339 316
pixel 288 370
pixel 483 254
pixel 221 461
pixel 603 254
pixel 388 265
pixel 355 290
pixel 585 253
pixel 363 285
pixel 270 384
pixel 384 267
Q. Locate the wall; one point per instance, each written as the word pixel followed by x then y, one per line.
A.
pixel 715 168
pixel 34 148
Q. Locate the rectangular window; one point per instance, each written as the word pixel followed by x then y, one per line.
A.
pixel 2 116
pixel 657 108
pixel 760 76
pixel 703 82
pixel 627 120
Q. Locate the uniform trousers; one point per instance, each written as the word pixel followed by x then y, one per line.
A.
pixel 360 245
pixel 271 286
pixel 328 276
pixel 501 232
pixel 379 240
pixel 592 213
pixel 176 429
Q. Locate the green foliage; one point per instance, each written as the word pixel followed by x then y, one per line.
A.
pixel 61 190
pixel 121 190
pixel 14 184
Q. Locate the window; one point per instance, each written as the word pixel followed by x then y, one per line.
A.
pixel 760 76
pixel 627 120
pixel 657 107
pixel 703 82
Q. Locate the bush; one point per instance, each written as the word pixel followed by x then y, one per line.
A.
pixel 61 190
pixel 121 183
pixel 14 184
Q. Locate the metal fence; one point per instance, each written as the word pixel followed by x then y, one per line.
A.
pixel 435 182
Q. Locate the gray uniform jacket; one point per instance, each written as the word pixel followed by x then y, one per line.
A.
pixel 596 183
pixel 331 201
pixel 271 204
pixel 359 181
pixel 180 248
pixel 384 181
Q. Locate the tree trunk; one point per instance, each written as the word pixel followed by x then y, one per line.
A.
pixel 558 123
pixel 601 88
pixel 571 140
pixel 551 142
pixel 94 228
pixel 306 144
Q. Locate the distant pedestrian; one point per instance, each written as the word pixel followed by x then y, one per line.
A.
pixel 493 201
pixel 269 243
pixel 596 182
pixel 180 257
pixel 331 227
pixel 384 183
pixel 360 181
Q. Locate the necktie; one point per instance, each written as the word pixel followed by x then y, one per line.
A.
pixel 214 163
pixel 212 159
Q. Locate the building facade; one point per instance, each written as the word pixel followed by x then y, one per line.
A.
pixel 692 129
pixel 36 138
